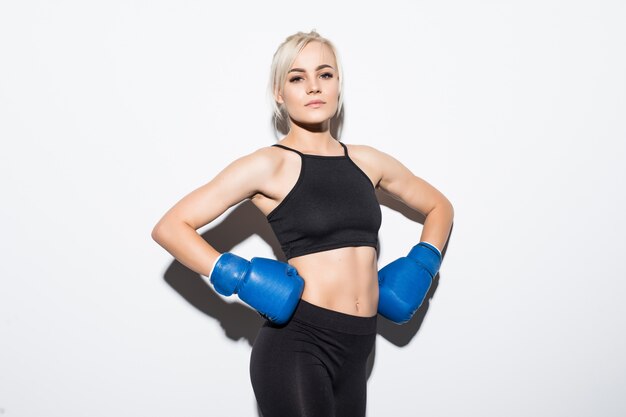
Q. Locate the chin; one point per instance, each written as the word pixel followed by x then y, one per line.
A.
pixel 321 118
pixel 316 124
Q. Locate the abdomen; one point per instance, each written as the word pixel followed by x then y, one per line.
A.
pixel 343 279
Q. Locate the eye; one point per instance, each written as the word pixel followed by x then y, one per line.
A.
pixel 294 79
pixel 327 75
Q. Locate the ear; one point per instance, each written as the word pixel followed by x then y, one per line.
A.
pixel 278 97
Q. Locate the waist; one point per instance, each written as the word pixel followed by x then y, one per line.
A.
pixel 343 280
pixel 333 320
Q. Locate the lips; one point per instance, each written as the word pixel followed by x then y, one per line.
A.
pixel 315 102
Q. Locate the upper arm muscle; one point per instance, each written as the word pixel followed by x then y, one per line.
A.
pixel 401 183
pixel 241 179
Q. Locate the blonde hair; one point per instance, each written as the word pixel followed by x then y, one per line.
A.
pixel 284 57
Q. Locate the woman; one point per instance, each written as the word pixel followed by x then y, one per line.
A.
pixel 318 194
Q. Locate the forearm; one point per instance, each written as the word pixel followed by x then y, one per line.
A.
pixel 187 246
pixel 438 224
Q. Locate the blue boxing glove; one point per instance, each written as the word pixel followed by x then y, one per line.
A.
pixel 404 283
pixel 271 287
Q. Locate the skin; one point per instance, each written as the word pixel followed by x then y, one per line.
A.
pixel 344 279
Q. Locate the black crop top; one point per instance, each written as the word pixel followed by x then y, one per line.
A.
pixel 332 205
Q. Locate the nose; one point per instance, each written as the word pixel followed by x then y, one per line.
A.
pixel 313 86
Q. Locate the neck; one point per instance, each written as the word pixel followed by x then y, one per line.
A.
pixel 311 138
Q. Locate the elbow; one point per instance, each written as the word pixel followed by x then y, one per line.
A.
pixel 445 206
pixel 157 233
pixel 168 230
pixel 450 209
pixel 160 232
pixel 445 211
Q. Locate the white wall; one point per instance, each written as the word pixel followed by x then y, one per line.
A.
pixel 112 111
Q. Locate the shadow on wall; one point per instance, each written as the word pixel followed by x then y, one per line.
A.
pixel 401 335
pixel 237 320
pixel 241 322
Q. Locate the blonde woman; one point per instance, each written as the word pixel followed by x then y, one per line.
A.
pixel 318 195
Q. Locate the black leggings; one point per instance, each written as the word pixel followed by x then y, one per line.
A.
pixel 313 366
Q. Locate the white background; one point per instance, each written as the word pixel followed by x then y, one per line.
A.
pixel 110 112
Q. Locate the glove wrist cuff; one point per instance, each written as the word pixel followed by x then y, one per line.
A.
pixel 426 255
pixel 430 245
pixel 227 273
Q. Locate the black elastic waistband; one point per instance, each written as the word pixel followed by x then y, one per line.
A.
pixel 334 320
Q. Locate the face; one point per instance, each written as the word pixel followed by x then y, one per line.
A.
pixel 311 91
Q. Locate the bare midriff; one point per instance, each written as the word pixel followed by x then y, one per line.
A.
pixel 343 279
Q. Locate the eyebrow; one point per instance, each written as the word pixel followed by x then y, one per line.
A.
pixel 317 69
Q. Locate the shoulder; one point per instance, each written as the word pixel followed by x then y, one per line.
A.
pixel 385 167
pixel 250 171
pixel 368 154
pixel 264 154
pixel 266 159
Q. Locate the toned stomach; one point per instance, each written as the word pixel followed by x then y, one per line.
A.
pixel 343 279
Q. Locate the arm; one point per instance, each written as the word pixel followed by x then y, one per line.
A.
pixel 398 181
pixel 176 230
pixel 404 283
pixel 271 287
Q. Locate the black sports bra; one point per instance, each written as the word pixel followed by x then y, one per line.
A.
pixel 332 205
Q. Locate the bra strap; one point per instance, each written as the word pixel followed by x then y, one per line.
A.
pixel 289 149
pixel 345 149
